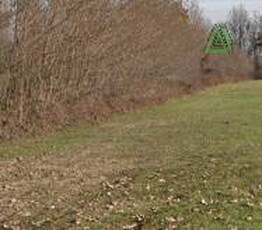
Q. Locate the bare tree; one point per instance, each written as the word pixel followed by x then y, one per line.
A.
pixel 239 23
pixel 195 12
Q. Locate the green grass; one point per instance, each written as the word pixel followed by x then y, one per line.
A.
pixel 198 161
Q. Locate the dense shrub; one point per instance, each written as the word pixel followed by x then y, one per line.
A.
pixel 83 58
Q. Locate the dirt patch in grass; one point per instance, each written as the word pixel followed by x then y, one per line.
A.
pixel 48 185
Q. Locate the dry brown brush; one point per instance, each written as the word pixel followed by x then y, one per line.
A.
pixel 70 60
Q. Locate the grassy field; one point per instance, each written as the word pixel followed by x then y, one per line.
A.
pixel 193 163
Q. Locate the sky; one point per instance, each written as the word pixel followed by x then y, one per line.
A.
pixel 217 10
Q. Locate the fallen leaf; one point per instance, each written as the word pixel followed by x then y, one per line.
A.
pixel 27 214
pixel 180 219
pixel 234 201
pixel 110 207
pixel 130 227
pixel 170 219
pixel 13 200
pixel 203 201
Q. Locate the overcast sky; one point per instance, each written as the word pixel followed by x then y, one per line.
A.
pixel 217 10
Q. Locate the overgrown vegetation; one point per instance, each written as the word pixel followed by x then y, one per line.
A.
pixel 70 60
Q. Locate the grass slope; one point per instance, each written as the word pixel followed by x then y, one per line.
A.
pixel 194 162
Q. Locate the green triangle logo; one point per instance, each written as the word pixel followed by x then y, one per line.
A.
pixel 220 40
